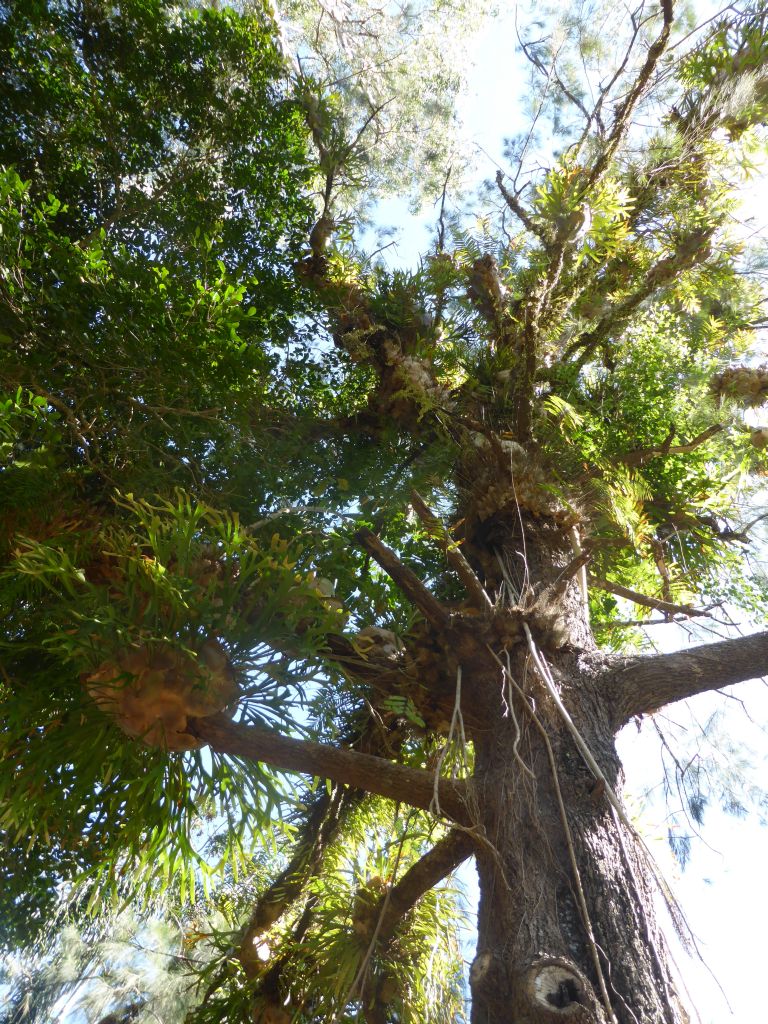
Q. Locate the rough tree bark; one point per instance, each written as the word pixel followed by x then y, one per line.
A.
pixel 567 928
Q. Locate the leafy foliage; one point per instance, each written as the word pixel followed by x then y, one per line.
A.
pixel 379 84
pixel 150 211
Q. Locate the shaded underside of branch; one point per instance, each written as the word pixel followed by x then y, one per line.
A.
pixel 405 578
pixel 647 602
pixel 453 554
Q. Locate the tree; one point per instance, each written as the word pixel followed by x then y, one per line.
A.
pixel 385 547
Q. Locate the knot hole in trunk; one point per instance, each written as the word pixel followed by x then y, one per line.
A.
pixel 567 992
pixel 555 989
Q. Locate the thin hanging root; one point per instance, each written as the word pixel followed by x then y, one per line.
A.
pixel 506 675
pixel 513 716
pixel 514 595
pixel 581 898
pixel 457 723
pixel 679 920
pixel 618 995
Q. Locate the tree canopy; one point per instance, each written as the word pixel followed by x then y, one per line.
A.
pixel 271 508
pixel 153 201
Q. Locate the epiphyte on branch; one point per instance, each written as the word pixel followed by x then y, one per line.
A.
pixel 745 385
pixel 379 641
pixel 150 692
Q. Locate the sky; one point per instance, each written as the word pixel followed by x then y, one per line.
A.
pixel 722 889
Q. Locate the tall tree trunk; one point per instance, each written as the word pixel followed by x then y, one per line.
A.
pixel 567 928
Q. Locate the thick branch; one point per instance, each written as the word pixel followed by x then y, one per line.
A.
pixel 318 831
pixel 643 455
pixel 268 994
pixel 624 114
pixel 559 586
pixel 456 559
pixel 517 207
pixel 405 578
pixel 410 786
pixel 444 857
pixel 693 249
pixel 646 684
pixel 524 384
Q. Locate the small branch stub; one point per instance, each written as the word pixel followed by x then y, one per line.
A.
pixel 483 969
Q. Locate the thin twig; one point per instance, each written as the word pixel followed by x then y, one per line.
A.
pixel 699 27
pixel 648 602
pixel 457 723
pixel 441 220
pixel 627 623
pixel 624 114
